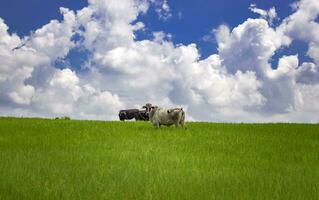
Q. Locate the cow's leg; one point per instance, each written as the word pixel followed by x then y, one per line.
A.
pixel 176 123
pixel 136 116
pixel 178 120
pixel 182 120
pixel 182 123
pixel 156 124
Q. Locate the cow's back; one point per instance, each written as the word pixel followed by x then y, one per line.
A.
pixel 163 117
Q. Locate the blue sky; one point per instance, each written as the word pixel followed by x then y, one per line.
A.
pixel 265 70
pixel 25 16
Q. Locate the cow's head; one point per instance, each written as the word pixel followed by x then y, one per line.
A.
pixel 151 112
pixel 147 107
pixel 152 109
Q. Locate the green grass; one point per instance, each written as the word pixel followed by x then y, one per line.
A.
pixel 68 159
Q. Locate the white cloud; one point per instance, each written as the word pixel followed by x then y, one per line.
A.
pixel 66 95
pixel 249 46
pixel 237 84
pixel 308 73
pixel 54 38
pixel 302 25
pixel 162 9
pixel 16 65
pixel 22 95
pixel 160 36
pixel 30 84
pixel 269 15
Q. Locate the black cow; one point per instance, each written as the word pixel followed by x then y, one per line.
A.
pixel 136 114
pixel 128 114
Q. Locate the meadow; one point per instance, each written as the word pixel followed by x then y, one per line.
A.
pixel 71 159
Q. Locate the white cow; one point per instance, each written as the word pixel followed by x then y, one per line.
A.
pixel 160 116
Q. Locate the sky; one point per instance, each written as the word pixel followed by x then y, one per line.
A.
pixel 222 61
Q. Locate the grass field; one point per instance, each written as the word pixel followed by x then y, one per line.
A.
pixel 69 159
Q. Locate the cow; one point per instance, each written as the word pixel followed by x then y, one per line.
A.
pixel 160 116
pixel 136 113
pixel 128 114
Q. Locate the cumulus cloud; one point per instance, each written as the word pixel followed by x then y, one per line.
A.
pixel 236 84
pixel 16 66
pixel 53 39
pixel 302 25
pixel 31 85
pixel 65 94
